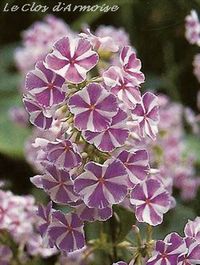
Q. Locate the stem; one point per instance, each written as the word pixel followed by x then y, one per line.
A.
pixel 149 233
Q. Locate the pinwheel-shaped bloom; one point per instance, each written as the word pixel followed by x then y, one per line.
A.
pixel 136 163
pixel 151 201
pixel 131 64
pixel 72 58
pixel 45 85
pixel 102 185
pixel 58 184
pixel 114 136
pixel 125 88
pixel 93 108
pixel 168 251
pixel 147 115
pixel 38 115
pixel 92 214
pixel 66 231
pixel 44 214
pixel 5 255
pixel 193 253
pixel 63 153
pixel 192 229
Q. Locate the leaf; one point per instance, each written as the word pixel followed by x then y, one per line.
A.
pixel 193 144
pixel 126 220
pixel 174 221
pixel 12 137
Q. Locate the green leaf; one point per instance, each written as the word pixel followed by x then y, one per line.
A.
pixel 193 144
pixel 174 221
pixel 12 137
pixel 126 219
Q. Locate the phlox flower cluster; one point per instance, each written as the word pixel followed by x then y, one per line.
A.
pixel 94 142
pixel 18 221
pixel 86 163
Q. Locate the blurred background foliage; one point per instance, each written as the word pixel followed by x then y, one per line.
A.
pixel 156 29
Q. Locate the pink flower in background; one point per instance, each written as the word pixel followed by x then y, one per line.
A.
pixel 93 108
pixel 72 59
pixel 147 115
pixel 192 26
pixel 45 85
pixel 5 255
pixel 66 231
pixel 112 137
pixel 151 201
pixel 102 185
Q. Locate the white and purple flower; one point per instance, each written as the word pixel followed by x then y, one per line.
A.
pixel 72 58
pixel 101 186
pixel 151 201
pixel 112 137
pixel 93 108
pixel 66 231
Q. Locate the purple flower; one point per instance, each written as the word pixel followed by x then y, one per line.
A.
pixel 92 214
pixel 93 108
pixel 192 27
pixel 114 136
pixel 72 58
pixel 125 88
pixel 102 185
pixel 5 255
pixel 66 231
pixel 63 153
pixel 193 253
pixel 38 115
pixel 168 251
pixel 136 163
pixel 131 64
pixel 151 201
pixel 45 85
pixel 58 184
pixel 44 213
pixel 192 229
pixel 147 115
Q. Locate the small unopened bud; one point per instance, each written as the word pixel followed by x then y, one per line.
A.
pixel 84 155
pixel 135 229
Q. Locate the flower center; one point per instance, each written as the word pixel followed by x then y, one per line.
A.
pixel 69 228
pixel 101 180
pixel 50 86
pixel 148 201
pixel 92 107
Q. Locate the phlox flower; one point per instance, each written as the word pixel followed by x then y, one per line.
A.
pixel 168 251
pixel 45 85
pixel 193 253
pixel 151 201
pixel 102 185
pixel 66 231
pixel 192 28
pixel 93 108
pixel 72 58
pixel 146 114
pixel 114 136
pixel 59 185
pixel 192 229
pixel 5 255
